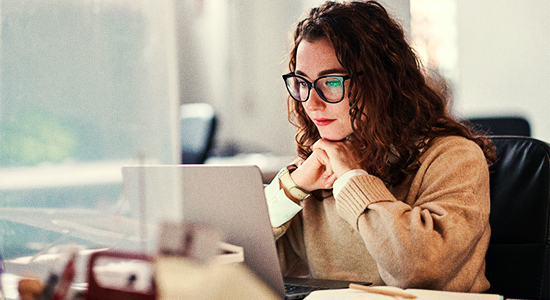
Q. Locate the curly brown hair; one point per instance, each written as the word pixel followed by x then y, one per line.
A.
pixel 396 109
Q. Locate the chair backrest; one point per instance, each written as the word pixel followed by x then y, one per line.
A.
pixel 197 130
pixel 518 258
pixel 505 125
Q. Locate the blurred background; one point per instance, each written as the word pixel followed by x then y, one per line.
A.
pixel 88 86
pixel 495 56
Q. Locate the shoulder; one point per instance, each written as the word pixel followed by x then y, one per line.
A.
pixel 454 150
pixel 453 140
pixel 453 145
pixel 453 165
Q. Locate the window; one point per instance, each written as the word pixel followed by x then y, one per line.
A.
pixel 434 36
pixel 85 88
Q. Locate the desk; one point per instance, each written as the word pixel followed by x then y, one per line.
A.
pixel 10 281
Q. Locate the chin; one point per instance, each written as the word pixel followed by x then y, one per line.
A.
pixel 333 137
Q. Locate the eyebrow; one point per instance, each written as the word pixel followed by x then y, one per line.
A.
pixel 322 73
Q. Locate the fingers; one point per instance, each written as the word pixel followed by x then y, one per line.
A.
pixel 341 155
pixel 314 173
pixel 333 149
pixel 325 174
pixel 328 161
pixel 322 158
pixel 329 180
pixel 321 144
pixel 328 175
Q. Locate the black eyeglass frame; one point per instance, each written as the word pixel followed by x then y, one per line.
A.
pixel 313 85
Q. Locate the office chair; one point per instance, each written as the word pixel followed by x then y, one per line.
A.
pixel 197 130
pixel 511 125
pixel 518 258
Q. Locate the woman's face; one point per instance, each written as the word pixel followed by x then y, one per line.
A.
pixel 317 59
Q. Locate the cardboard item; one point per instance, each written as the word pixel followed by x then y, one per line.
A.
pixel 183 278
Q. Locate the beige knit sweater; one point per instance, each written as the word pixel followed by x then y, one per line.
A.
pixel 431 231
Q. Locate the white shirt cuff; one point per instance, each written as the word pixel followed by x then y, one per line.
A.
pixel 281 208
pixel 340 182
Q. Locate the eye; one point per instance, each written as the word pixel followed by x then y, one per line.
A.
pixel 301 83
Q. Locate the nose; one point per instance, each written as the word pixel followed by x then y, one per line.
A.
pixel 314 102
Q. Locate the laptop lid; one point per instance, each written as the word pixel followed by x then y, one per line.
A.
pixel 230 198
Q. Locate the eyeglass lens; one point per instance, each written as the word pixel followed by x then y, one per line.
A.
pixel 330 89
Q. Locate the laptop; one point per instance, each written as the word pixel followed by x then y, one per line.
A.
pixel 232 199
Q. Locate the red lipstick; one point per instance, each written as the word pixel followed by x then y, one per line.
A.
pixel 323 121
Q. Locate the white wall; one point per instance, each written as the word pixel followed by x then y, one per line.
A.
pixel 504 60
pixel 232 56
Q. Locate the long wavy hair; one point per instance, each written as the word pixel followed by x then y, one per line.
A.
pixel 396 109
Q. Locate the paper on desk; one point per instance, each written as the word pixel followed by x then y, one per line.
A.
pixel 351 294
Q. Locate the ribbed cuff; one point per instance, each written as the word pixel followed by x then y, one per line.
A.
pixel 341 182
pixel 358 193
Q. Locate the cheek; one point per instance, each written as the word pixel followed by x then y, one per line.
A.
pixel 344 110
pixel 345 116
pixel 348 122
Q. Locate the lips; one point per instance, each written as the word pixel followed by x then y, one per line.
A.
pixel 323 121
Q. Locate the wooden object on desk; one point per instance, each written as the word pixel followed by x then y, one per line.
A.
pixel 382 291
pixel 29 288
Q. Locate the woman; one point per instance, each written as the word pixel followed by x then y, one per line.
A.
pixel 388 187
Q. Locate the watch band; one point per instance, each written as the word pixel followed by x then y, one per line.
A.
pixel 290 185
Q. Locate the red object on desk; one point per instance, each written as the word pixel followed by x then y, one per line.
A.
pixel 97 292
pixel 66 279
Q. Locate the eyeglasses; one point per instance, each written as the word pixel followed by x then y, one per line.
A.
pixel 329 88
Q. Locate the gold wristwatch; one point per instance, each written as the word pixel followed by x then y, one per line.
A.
pixel 290 185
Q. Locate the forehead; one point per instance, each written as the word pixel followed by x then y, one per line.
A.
pixel 312 58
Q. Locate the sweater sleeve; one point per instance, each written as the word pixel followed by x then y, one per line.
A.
pixel 438 231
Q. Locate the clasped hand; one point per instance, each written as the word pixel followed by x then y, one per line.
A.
pixel 328 161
